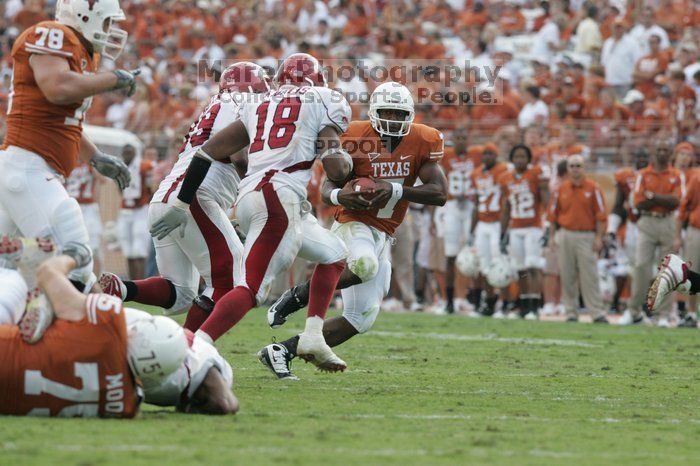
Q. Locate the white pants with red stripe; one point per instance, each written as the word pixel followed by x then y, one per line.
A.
pixel 210 248
pixel 278 229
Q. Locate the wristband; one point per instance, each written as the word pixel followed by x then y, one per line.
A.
pixel 334 196
pixel 396 191
pixel 614 222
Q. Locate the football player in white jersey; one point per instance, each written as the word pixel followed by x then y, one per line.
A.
pixel 287 130
pixel 201 385
pixel 208 245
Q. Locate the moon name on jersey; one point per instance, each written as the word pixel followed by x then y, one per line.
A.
pixel 391 169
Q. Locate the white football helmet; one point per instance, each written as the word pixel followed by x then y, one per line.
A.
pixel 391 96
pixel 156 347
pixel 500 272
pixel 467 262
pixel 95 19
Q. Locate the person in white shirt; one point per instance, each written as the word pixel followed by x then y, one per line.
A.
pixel 645 28
pixel 210 52
pixel 588 36
pixel 547 40
pixel 535 112
pixel 619 55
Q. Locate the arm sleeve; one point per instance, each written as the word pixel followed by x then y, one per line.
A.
pixel 335 110
pixel 638 194
pixel 601 213
pixel 51 38
pixel 436 146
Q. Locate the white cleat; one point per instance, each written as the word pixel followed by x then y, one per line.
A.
pixel 37 317
pixel 112 285
pixel 672 275
pixel 626 318
pixel 663 323
pixel 498 315
pixel 531 316
pixel 313 348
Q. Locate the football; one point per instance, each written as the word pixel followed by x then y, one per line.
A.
pixel 365 185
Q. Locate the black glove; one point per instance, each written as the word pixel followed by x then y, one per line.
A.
pixel 126 80
pixel 544 241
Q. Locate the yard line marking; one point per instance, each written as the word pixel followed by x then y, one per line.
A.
pixel 489 337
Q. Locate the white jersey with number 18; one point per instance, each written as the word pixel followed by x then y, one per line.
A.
pixel 283 127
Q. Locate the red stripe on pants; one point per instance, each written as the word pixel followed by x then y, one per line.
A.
pixel 267 242
pixel 220 257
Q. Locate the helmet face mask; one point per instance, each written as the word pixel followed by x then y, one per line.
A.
pixel 388 101
pixel 95 19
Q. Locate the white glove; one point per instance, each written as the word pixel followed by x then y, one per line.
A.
pixel 176 216
pixel 126 80
pixel 112 167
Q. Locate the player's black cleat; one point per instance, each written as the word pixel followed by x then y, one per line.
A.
pixel 285 306
pixel 689 321
pixel 277 358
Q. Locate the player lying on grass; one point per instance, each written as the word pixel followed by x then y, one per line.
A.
pixel 674 274
pixel 395 153
pixel 194 378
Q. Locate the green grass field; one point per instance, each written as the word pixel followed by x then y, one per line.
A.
pixel 420 390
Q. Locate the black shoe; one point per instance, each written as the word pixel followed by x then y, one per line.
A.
pixel 690 321
pixel 601 320
pixel 450 307
pixel 572 319
pixel 285 306
pixel 276 358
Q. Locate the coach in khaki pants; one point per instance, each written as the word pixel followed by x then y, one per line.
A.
pixel 578 209
pixel 657 194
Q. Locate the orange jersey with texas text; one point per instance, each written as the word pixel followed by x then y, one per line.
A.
pixel 81 184
pixel 458 170
pixel 33 123
pixel 421 145
pixel 523 194
pixel 78 369
pixel 488 191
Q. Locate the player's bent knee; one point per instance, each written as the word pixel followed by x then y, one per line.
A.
pixel 365 267
pixel 183 301
pixel 363 321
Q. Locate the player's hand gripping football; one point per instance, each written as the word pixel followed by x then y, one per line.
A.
pixel 111 167
pixel 382 192
pixel 353 200
pixel 126 80
pixel 176 216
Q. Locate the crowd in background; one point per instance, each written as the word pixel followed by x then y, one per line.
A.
pixel 598 79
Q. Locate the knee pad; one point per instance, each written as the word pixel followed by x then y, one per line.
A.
pixel 364 321
pixel 13 297
pixel 364 267
pixel 183 300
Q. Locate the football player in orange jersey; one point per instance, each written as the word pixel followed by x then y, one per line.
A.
pixel 82 186
pixel 623 212
pixel 395 153
pixel 133 216
pixel 89 361
pixel 54 78
pixel 486 225
pixel 525 193
pixel 459 163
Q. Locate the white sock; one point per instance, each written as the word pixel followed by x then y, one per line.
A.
pixel 314 325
